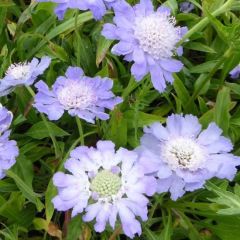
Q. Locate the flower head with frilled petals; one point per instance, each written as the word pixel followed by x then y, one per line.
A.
pixel 183 156
pixel 106 185
pixel 8 148
pixel 97 7
pixel 81 96
pixel 22 74
pixel 148 38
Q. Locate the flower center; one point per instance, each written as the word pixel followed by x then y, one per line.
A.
pixel 157 35
pixel 183 153
pixel 18 71
pixel 76 95
pixel 106 184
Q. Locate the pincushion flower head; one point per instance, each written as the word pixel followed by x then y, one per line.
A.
pixel 235 73
pixel 183 156
pixel 81 96
pixel 8 148
pixel 148 38
pixel 24 73
pixel 106 185
pixel 97 7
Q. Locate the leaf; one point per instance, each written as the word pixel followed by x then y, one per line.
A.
pixel 183 95
pixel 168 230
pixel 143 119
pixel 229 199
pixel 66 26
pixel 26 190
pixel 39 131
pixel 204 67
pixel 117 131
pixel 102 47
pixel 74 228
pixel 222 108
pixel 199 47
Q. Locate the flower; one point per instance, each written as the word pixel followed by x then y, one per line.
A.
pixel 105 185
pixel 148 38
pixel 235 73
pixel 183 156
pixel 81 96
pixel 186 7
pixel 8 148
pixel 97 7
pixel 22 74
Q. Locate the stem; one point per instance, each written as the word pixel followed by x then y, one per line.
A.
pixel 204 22
pixel 78 38
pixel 80 129
pixel 54 141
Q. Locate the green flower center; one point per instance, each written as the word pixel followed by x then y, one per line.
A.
pixel 106 184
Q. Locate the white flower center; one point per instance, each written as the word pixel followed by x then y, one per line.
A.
pixel 76 95
pixel 183 153
pixel 19 71
pixel 157 35
pixel 106 184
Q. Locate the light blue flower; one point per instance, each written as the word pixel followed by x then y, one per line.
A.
pixel 8 148
pixel 107 185
pixel 97 7
pixel 186 7
pixel 183 156
pixel 81 96
pixel 235 73
pixel 23 74
pixel 148 38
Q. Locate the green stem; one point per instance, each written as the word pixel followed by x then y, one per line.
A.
pixel 204 22
pixel 54 141
pixel 80 129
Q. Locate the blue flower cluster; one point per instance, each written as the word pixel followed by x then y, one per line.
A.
pixel 111 185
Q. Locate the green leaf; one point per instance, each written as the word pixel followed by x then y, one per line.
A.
pixel 204 67
pixel 229 199
pixel 222 108
pixel 117 131
pixel 168 230
pixel 103 45
pixel 39 131
pixel 183 95
pixel 26 190
pixel 199 47
pixel 66 26
pixel 74 228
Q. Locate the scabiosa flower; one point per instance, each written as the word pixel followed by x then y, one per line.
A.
pixel 186 7
pixel 183 156
pixel 81 96
pixel 23 74
pixel 148 38
pixel 97 7
pixel 8 148
pixel 106 185
pixel 235 73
